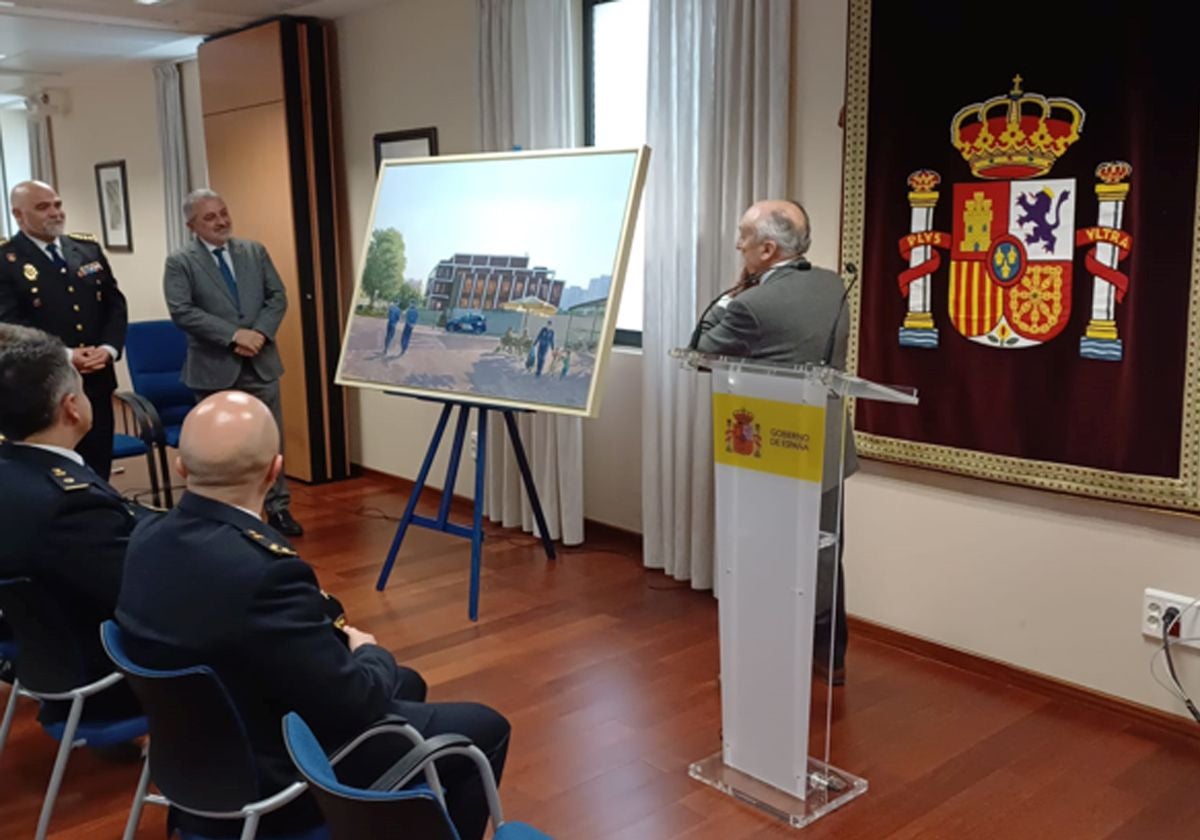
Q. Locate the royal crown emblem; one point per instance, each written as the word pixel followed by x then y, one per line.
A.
pixel 1013 237
pixel 1019 135
pixel 742 435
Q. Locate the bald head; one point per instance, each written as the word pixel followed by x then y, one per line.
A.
pixel 771 232
pixel 38 210
pixel 229 445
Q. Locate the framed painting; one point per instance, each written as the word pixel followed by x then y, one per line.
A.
pixel 494 279
pixel 112 190
pixel 410 143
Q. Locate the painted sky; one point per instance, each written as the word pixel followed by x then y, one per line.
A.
pixel 565 212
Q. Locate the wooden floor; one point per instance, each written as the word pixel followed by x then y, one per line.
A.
pixel 608 674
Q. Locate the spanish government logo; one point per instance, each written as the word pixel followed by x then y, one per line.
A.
pixel 1013 236
pixel 742 435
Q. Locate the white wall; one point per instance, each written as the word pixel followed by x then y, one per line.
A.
pixel 112 117
pixel 411 64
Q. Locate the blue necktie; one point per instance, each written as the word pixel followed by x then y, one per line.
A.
pixel 227 273
pixel 55 257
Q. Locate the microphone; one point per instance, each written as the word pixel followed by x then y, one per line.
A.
pixel 852 270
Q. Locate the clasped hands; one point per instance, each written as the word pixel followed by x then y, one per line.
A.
pixel 248 343
pixel 90 359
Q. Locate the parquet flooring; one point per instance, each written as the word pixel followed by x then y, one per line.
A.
pixel 608 673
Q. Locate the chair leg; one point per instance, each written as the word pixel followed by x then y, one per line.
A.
pixel 60 767
pixel 152 471
pixel 10 710
pixel 250 828
pixel 139 799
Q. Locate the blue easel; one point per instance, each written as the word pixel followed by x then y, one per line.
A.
pixel 443 523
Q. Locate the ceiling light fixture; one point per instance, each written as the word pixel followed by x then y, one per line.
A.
pixel 147 2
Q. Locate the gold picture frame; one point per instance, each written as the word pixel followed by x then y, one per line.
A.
pixel 503 247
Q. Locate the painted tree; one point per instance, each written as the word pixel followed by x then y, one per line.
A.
pixel 383 275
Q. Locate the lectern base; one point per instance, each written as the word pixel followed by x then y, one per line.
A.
pixel 828 789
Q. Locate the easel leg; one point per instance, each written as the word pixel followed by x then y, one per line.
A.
pixel 530 488
pixel 460 434
pixel 411 508
pixel 477 529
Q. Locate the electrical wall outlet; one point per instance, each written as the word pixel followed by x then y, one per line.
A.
pixel 475 445
pixel 1156 602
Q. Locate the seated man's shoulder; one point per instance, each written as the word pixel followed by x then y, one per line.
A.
pixel 30 486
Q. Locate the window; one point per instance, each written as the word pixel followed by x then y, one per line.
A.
pixel 616 79
pixel 15 165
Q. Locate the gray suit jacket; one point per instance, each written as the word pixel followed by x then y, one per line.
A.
pixel 787 319
pixel 200 305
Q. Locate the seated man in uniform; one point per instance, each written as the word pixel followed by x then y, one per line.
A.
pixel 210 583
pixel 61 525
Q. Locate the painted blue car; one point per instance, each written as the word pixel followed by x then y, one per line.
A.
pixel 467 323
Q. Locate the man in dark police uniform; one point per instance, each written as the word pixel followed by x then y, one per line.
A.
pixel 63 284
pixel 61 525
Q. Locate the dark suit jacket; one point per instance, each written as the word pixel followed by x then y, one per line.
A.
pixel 788 319
pixel 208 584
pixel 200 304
pixel 67 529
pixel 82 305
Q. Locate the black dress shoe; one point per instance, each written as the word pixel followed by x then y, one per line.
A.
pixel 282 521
pixel 821 671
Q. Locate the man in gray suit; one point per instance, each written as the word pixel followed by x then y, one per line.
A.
pixel 784 310
pixel 228 298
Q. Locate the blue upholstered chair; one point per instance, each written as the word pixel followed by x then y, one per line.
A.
pixel 49 667
pixel 155 352
pixel 393 808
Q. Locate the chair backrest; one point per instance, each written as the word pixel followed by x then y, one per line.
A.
pixel 48 659
pixel 200 755
pixel 357 814
pixel 155 352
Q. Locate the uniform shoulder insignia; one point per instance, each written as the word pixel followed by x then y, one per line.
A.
pixel 66 481
pixel 3 241
pixel 84 237
pixel 278 549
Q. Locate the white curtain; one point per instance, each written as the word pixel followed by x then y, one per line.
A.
pixel 529 79
pixel 718 123
pixel 41 151
pixel 172 140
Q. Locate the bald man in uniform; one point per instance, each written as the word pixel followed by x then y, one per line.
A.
pixel 63 284
pixel 236 597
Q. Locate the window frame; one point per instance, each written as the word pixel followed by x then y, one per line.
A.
pixel 623 337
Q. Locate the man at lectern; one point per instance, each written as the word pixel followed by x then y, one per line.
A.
pixel 784 310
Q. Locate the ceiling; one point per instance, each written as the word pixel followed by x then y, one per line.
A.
pixel 43 40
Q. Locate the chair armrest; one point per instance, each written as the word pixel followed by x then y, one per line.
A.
pixel 150 427
pixel 392 723
pixel 86 690
pixel 403 771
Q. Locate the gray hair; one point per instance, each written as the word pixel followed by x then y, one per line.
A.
pixel 194 198
pixel 35 375
pixel 778 228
